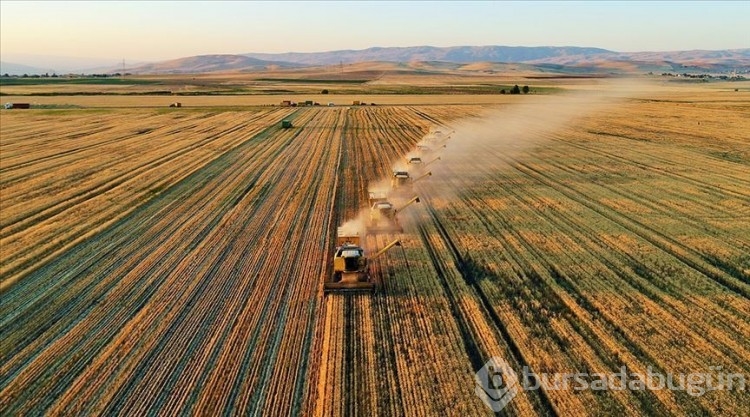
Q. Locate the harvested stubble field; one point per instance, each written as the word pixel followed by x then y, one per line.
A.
pixel 171 262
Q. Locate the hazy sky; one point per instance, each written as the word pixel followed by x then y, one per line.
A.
pixel 148 31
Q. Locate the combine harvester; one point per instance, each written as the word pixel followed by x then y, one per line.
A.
pixel 436 139
pixel 426 149
pixel 350 265
pixel 383 217
pixel 414 160
pixel 402 179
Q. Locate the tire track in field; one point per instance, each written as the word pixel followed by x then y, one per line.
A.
pixel 477 358
pixel 667 244
pixel 549 295
pixel 710 187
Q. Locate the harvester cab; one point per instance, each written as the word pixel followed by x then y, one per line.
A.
pixel 377 196
pixel 400 179
pixel 381 211
pixel 350 265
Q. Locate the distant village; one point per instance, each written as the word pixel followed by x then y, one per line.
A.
pixel 705 77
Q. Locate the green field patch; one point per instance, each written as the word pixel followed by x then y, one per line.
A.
pixel 311 81
pixel 89 93
pixel 8 81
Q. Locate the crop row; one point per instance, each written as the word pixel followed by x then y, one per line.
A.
pixel 551 250
pixel 582 284
pixel 172 262
pixel 203 298
pixel 65 180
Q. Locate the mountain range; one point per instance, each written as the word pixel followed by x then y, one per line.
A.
pixel 562 58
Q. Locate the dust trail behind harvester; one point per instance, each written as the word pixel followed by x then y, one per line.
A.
pixel 513 131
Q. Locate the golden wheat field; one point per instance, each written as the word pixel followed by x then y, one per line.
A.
pixel 163 261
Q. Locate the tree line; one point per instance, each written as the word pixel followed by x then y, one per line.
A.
pixel 516 90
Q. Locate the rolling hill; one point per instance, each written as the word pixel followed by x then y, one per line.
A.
pixel 564 59
pixel 458 54
pixel 211 63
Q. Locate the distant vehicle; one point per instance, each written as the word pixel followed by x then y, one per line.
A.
pixel 9 106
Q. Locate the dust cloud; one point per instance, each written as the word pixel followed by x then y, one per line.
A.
pixel 472 149
pixel 355 226
pixel 480 145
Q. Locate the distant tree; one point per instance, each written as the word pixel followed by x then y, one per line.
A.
pixel 525 89
pixel 502 91
pixel 515 90
pixel 324 91
pixel 6 75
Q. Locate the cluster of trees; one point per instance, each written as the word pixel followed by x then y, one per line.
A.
pixel 516 90
pixel 53 75
pixel 45 75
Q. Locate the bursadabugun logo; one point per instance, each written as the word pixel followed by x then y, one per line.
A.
pixel 496 383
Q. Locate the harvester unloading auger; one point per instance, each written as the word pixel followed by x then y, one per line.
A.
pixel 350 265
pixel 383 217
pixel 432 161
